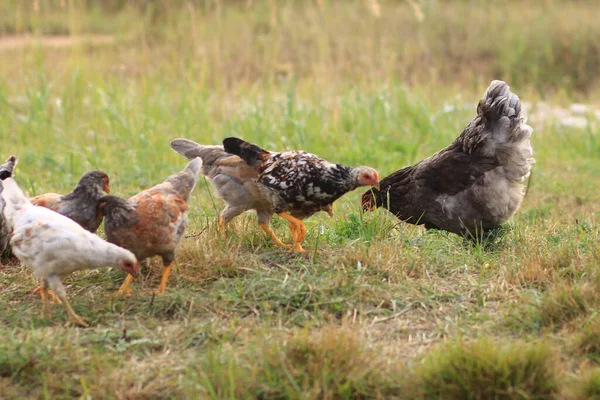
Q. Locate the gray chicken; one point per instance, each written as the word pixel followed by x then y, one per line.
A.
pixel 473 185
pixel 6 171
pixel 81 205
pixel 235 181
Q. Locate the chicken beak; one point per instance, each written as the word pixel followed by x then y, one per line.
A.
pixel 377 187
pixel 107 189
pixel 135 269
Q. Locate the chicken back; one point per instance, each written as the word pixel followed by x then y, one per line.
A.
pixel 152 222
pixel 473 185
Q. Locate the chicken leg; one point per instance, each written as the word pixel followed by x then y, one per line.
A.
pixel 165 278
pixel 58 288
pixel 124 289
pixel 48 293
pixel 43 290
pixel 74 319
pixel 298 230
pixel 274 237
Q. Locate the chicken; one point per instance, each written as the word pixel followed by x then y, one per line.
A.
pixel 234 180
pixel 53 245
pixel 297 184
pixel 152 222
pixel 473 185
pixel 6 171
pixel 81 205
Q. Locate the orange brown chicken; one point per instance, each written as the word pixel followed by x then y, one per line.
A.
pixel 152 222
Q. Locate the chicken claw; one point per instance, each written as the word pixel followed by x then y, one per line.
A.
pixel 74 319
pixel 49 294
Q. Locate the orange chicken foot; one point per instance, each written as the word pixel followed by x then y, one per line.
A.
pixel 271 234
pixel 298 230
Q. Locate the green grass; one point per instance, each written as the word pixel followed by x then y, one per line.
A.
pixel 362 315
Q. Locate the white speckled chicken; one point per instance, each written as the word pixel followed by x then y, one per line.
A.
pixel 152 222
pixel 53 245
pixel 298 184
pixel 473 185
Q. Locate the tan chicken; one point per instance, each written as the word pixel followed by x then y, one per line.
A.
pixel 152 222
pixel 81 205
pixel 235 182
pixel 297 184
pixel 473 185
pixel 53 245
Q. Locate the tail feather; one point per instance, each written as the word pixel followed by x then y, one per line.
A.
pixel 498 101
pixel 184 182
pixel 509 134
pixel 7 169
pixel 249 152
pixel 13 198
pixel 194 166
pixel 190 149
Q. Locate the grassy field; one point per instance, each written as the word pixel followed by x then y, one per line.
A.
pixel 378 308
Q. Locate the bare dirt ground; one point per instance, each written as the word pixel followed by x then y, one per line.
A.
pixel 16 42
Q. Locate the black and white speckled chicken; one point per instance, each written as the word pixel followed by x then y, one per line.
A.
pixel 297 184
pixel 473 185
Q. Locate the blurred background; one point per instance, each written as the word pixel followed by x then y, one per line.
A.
pixel 550 46
pixel 87 83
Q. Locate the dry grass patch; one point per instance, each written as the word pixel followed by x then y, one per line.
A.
pixel 487 370
pixel 585 387
pixel 587 341
pixel 331 363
